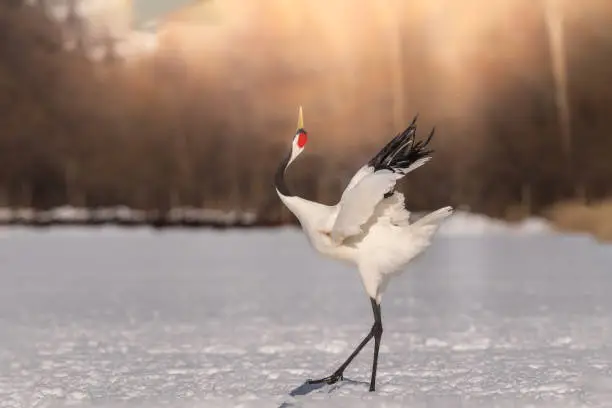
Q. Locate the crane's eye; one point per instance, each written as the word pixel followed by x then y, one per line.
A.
pixel 302 138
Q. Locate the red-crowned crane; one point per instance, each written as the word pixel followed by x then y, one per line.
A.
pixel 369 227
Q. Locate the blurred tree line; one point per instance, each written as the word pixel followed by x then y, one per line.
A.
pixel 145 135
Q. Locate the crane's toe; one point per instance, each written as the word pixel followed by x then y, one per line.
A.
pixel 332 379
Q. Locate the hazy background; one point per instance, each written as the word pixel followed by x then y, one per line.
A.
pixel 183 104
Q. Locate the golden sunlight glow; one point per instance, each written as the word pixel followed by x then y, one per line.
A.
pixel 445 57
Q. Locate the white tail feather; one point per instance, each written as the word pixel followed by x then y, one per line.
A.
pixel 434 217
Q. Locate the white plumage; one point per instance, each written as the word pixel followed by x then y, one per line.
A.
pixel 369 227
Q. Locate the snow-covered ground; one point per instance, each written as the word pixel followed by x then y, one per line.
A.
pixel 67 215
pixel 490 317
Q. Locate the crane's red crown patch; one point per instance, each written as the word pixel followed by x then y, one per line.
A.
pixel 302 138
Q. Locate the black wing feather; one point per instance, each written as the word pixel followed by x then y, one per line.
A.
pixel 402 151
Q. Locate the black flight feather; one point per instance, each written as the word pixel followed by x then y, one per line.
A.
pixel 402 151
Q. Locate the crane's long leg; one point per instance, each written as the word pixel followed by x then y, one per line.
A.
pixel 376 332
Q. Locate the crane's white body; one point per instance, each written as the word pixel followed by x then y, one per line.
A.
pixel 366 228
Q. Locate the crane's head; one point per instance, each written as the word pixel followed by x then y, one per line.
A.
pixel 300 138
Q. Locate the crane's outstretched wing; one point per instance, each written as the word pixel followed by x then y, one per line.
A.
pixel 375 180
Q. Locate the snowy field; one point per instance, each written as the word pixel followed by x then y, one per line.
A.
pixel 136 318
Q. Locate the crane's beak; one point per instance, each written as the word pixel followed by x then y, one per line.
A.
pixel 300 123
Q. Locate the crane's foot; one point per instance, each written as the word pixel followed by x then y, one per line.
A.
pixel 332 379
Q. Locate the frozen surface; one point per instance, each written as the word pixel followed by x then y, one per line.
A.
pixel 135 318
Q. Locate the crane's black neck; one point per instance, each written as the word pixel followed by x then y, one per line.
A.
pixel 279 177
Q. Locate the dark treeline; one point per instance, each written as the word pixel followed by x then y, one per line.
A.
pixel 146 135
